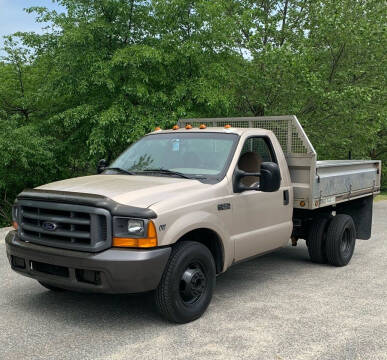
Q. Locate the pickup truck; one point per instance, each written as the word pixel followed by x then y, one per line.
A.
pixel 180 206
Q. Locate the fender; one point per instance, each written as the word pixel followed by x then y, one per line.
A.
pixel 198 220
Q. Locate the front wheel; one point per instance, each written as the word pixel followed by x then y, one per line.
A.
pixel 341 239
pixel 186 287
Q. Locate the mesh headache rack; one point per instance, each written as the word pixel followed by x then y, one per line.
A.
pixel 287 129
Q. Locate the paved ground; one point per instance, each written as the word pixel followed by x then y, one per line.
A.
pixel 279 306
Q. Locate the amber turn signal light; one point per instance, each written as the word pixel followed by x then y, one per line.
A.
pixel 149 241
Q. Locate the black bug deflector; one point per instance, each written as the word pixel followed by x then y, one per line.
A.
pixel 103 202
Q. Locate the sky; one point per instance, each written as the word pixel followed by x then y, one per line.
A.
pixel 13 18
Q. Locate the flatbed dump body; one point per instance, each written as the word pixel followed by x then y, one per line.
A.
pixel 342 180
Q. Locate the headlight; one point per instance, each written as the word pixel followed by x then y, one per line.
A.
pixel 126 227
pixel 129 232
pixel 136 227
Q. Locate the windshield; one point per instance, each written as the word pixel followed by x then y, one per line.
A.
pixel 201 155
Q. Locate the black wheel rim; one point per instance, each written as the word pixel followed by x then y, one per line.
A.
pixel 193 283
pixel 346 242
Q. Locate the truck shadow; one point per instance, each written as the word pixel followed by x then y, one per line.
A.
pixel 117 312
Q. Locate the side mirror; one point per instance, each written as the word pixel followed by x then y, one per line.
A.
pixel 102 164
pixel 238 187
pixel 270 178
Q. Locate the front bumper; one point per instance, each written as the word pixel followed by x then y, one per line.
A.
pixel 111 271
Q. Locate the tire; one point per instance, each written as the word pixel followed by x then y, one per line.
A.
pixel 317 239
pixel 186 287
pixel 51 287
pixel 341 239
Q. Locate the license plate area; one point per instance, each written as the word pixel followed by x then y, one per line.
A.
pixel 50 269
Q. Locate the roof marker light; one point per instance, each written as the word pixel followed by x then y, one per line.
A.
pixel 188 126
pixel 158 128
pixel 202 126
pixel 227 126
pixel 175 127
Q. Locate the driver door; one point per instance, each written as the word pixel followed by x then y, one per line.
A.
pixel 261 220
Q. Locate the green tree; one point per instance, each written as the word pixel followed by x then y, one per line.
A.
pixel 108 71
pixel 322 60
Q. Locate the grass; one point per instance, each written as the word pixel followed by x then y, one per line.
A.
pixel 382 196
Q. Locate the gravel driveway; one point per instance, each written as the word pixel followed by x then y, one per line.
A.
pixel 279 306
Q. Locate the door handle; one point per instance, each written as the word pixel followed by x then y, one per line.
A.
pixel 286 197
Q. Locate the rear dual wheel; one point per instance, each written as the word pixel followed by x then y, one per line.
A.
pixel 341 239
pixel 332 240
pixel 317 239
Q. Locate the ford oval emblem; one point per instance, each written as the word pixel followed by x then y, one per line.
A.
pixel 49 226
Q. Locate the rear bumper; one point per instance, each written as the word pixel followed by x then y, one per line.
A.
pixel 110 271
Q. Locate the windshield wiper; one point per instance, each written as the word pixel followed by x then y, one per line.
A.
pixel 120 170
pixel 168 172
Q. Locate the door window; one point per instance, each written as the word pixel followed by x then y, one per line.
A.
pixel 255 151
pixel 259 146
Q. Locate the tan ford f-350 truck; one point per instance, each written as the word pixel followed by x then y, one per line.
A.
pixel 181 206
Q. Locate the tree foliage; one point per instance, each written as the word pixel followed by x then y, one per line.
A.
pixel 108 71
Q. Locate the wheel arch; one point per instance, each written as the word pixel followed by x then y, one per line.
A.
pixel 212 240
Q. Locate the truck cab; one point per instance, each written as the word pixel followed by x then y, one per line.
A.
pixel 172 212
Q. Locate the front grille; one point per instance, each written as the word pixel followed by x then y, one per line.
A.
pixel 67 226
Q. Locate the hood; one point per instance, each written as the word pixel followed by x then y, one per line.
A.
pixel 134 190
